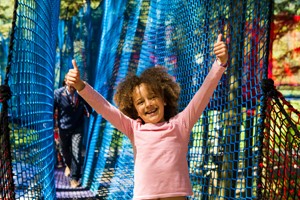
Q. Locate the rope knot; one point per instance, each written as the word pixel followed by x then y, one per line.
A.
pixel 268 88
pixel 5 93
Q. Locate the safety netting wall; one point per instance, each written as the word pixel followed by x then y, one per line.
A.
pixel 27 161
pixel 224 147
pixel 279 163
pixel 229 154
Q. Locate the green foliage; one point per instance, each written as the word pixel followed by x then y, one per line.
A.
pixel 287 7
pixel 21 137
pixel 95 3
pixel 284 16
pixel 6 16
pixel 70 8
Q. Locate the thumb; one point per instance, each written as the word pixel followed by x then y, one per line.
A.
pixel 75 64
pixel 219 38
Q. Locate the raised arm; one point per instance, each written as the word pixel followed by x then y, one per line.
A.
pixel 98 102
pixel 200 100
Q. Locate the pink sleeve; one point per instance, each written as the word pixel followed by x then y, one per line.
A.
pixel 107 110
pixel 193 111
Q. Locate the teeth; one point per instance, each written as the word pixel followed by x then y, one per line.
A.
pixel 152 111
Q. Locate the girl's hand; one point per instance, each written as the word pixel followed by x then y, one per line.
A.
pixel 220 50
pixel 73 77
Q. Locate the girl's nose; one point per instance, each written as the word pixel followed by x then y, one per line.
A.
pixel 148 102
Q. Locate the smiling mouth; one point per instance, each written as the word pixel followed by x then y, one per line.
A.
pixel 151 111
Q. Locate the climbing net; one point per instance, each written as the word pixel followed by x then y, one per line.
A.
pixel 246 143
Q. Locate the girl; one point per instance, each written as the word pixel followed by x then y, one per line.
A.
pixel 148 116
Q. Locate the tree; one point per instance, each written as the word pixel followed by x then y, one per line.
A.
pixel 70 8
pixel 6 17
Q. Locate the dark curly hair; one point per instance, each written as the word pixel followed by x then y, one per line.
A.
pixel 158 80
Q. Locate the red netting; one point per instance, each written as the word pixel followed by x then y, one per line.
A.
pixel 6 175
pixel 280 164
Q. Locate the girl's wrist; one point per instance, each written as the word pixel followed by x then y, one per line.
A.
pixel 81 86
pixel 222 64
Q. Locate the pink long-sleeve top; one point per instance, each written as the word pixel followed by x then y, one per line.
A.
pixel 160 150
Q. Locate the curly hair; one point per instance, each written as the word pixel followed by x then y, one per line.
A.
pixel 159 81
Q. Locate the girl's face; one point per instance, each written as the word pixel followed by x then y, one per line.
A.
pixel 149 105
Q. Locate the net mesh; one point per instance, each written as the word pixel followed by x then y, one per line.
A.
pixel 29 127
pixel 279 164
pixel 236 150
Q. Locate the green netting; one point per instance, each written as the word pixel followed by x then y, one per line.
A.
pixel 118 37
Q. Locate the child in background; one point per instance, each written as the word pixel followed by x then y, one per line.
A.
pixel 148 116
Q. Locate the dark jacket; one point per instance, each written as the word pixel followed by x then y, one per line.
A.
pixel 70 115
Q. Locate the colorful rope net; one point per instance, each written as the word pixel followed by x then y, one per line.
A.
pixel 279 167
pixel 26 97
pixel 231 154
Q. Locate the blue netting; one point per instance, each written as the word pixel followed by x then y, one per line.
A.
pixel 30 77
pixel 224 143
pixel 119 37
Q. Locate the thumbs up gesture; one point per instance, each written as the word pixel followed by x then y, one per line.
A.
pixel 221 51
pixel 73 77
